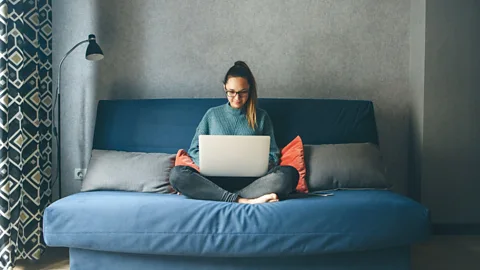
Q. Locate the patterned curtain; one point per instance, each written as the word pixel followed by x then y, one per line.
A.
pixel 25 126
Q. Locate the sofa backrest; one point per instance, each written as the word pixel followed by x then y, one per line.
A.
pixel 166 125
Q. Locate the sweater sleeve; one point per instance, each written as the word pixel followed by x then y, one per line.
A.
pixel 202 129
pixel 274 157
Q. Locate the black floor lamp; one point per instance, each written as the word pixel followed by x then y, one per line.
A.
pixel 93 53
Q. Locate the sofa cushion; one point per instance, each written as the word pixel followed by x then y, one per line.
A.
pixel 344 166
pixel 292 155
pixel 128 171
pixel 183 159
pixel 168 224
pixel 164 125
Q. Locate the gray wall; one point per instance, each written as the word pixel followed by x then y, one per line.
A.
pixel 417 87
pixel 352 49
pixel 72 22
pixel 451 134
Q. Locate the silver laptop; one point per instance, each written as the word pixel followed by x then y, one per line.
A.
pixel 233 155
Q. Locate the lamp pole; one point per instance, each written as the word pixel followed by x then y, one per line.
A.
pixel 93 49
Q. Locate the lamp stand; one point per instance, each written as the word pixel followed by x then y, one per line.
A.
pixel 56 132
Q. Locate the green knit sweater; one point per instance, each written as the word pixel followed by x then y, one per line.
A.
pixel 225 120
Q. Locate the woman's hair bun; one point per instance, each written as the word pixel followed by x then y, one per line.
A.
pixel 240 63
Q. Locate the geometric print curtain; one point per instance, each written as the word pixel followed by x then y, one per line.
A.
pixel 25 127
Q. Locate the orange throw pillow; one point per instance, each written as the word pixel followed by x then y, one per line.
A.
pixel 183 159
pixel 292 155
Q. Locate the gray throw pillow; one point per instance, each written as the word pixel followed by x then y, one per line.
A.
pixel 129 171
pixel 344 166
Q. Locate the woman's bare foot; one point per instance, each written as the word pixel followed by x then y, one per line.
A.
pixel 272 197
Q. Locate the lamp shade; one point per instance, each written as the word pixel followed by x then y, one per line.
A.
pixel 94 52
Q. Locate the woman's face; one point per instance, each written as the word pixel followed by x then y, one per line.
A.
pixel 237 89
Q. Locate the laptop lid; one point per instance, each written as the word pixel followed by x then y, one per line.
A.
pixel 234 155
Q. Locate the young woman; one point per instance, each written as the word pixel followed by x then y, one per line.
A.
pixel 239 116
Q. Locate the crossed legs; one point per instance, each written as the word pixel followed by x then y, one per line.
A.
pixel 275 185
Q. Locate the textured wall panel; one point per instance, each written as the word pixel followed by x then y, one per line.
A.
pixel 352 49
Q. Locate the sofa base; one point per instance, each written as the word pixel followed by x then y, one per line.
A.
pixel 393 259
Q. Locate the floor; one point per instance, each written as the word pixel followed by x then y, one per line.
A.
pixel 447 252
pixel 440 253
pixel 52 259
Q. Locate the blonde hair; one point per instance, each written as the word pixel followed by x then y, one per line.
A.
pixel 241 69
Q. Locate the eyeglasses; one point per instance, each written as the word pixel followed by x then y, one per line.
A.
pixel 231 93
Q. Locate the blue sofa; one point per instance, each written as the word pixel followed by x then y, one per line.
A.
pixel 354 229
